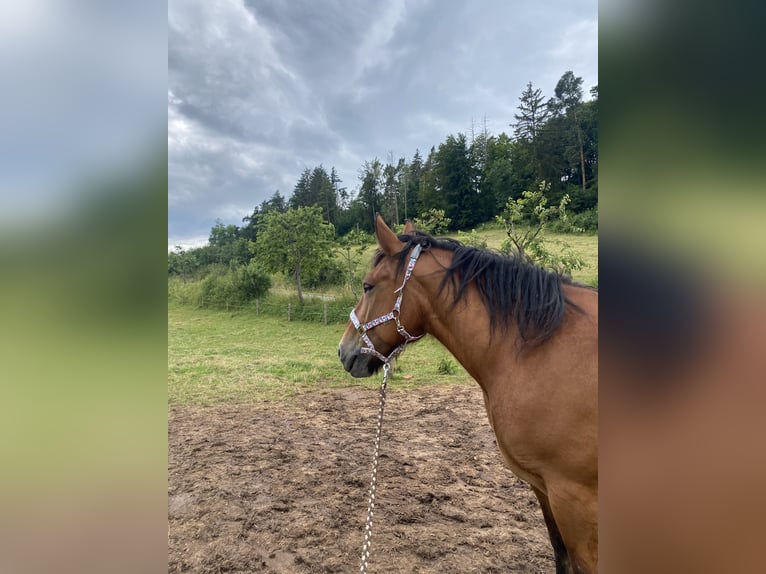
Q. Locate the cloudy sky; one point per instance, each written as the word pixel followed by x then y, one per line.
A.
pixel 82 99
pixel 258 90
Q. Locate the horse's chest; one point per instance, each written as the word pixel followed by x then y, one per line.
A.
pixel 515 452
pixel 521 467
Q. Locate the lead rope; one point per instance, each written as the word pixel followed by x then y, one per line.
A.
pixel 374 479
pixel 369 348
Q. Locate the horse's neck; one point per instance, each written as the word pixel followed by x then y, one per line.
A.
pixel 464 329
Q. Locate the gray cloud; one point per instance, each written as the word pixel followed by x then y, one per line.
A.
pixel 258 91
pixel 81 98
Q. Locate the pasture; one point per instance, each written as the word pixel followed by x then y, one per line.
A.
pixel 270 445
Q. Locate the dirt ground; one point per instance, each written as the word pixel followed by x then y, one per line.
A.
pixel 282 487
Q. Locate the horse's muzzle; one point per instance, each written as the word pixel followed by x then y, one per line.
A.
pixel 358 365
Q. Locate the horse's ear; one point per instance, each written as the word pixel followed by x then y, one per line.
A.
pixel 387 239
pixel 409 227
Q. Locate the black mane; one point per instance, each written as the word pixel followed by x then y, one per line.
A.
pixel 512 291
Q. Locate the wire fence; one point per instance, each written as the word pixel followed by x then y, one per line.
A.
pixel 325 310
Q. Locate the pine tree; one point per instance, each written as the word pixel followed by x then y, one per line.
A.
pixel 533 113
pixel 567 101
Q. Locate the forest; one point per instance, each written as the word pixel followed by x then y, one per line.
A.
pixel 466 180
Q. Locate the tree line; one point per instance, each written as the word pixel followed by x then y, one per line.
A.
pixel 471 176
pixel 465 180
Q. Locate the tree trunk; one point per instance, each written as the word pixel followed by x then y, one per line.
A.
pixel 298 281
pixel 582 153
pixel 351 276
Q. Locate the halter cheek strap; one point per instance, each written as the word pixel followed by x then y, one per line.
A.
pixel 362 328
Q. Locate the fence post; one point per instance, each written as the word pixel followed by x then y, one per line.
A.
pixel 289 309
pixel 324 311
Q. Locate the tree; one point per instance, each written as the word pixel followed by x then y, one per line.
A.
pixel 316 187
pixel 302 191
pixel 533 113
pixel 524 220
pixel 369 195
pixel 588 116
pixel 228 246
pixel 275 203
pixel 324 193
pixel 341 195
pixel 297 242
pixel 478 159
pixel 498 180
pixel 433 221
pixel 412 176
pixel 181 262
pixel 352 246
pixel 221 234
pixel 252 222
pixel 452 170
pixel 567 101
pixel 428 194
pixel 390 207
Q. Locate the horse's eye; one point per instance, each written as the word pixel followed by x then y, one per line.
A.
pixel 367 287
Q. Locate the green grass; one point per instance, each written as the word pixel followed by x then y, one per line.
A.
pixel 217 357
pixel 585 245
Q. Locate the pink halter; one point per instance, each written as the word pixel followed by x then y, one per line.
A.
pixel 362 329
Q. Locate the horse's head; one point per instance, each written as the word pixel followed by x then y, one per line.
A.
pixel 388 315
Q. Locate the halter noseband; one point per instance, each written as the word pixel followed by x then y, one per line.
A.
pixel 362 329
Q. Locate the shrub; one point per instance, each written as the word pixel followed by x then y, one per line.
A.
pixel 584 222
pixel 254 281
pixel 432 221
pixel 235 286
pixel 331 273
pixel 525 241
pixel 587 221
pixel 472 239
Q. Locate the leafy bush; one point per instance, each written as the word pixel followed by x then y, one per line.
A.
pixel 432 221
pixel 331 273
pixel 584 222
pixel 587 221
pixel 236 286
pixel 472 239
pixel 566 261
pixel 525 218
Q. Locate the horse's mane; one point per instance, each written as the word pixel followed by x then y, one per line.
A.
pixel 512 290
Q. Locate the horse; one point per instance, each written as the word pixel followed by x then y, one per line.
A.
pixel 528 336
pixel 682 462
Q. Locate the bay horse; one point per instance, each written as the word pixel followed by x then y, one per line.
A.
pixel 529 337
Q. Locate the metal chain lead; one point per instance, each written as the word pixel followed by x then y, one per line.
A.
pixel 369 348
pixel 374 479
